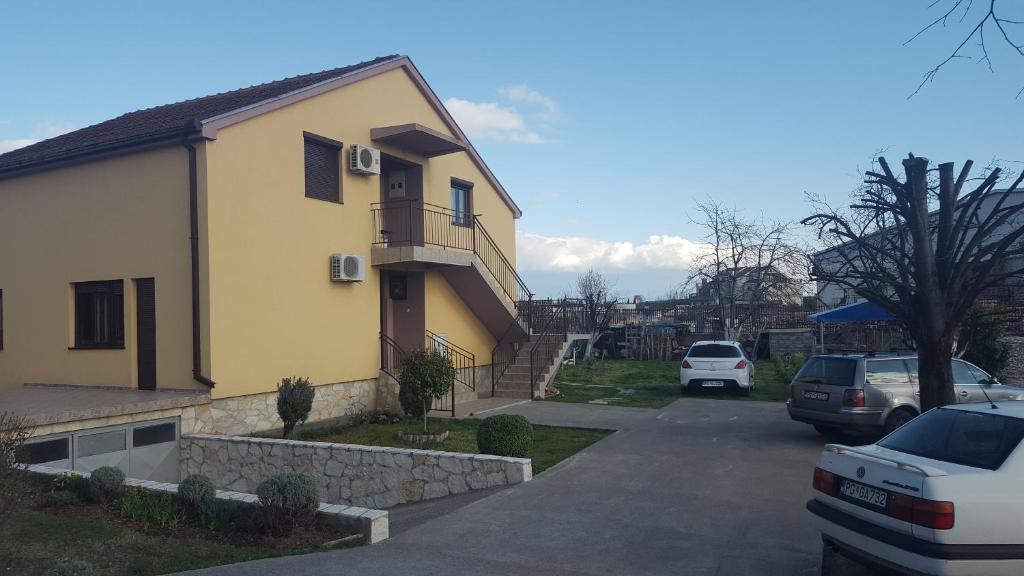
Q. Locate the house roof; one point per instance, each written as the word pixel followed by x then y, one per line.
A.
pixel 202 117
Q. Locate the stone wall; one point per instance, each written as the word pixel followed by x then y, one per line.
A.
pixel 1014 371
pixel 782 342
pixel 369 476
pixel 256 412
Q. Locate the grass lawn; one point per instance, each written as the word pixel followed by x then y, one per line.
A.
pixel 551 444
pixel 650 384
pixel 34 539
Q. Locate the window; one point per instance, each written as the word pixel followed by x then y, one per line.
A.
pixel 323 170
pixel 101 443
pixel 978 439
pixel 45 451
pixel 462 203
pixel 714 351
pixel 156 434
pixel 962 373
pixel 885 372
pixel 830 371
pixel 99 314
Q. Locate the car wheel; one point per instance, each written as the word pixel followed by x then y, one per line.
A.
pixel 897 418
pixel 745 391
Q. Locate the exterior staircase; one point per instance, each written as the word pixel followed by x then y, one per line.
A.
pixel 533 367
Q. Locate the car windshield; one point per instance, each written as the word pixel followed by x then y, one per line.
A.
pixel 826 370
pixel 977 439
pixel 714 351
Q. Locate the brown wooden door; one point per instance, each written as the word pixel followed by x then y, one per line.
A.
pixel 145 312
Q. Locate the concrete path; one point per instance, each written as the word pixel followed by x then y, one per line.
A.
pixel 703 487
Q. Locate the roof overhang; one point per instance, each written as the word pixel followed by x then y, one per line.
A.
pixel 418 139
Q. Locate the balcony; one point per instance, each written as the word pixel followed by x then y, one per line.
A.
pixel 413 235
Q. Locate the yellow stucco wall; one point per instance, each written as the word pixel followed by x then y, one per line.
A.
pixel 120 218
pixel 273 311
pixel 448 315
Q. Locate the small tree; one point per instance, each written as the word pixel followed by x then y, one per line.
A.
pixel 979 341
pixel 13 433
pixel 294 402
pixel 425 377
pixel 595 295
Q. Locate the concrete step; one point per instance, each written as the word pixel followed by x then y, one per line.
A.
pixel 525 394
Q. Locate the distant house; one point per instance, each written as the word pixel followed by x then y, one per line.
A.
pixel 831 294
pixel 749 284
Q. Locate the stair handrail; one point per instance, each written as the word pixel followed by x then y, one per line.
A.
pixel 461 358
pixel 556 324
pixel 506 348
pixel 391 356
pixel 501 269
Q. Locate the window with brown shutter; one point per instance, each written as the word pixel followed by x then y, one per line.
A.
pixel 1 319
pixel 99 314
pixel 323 168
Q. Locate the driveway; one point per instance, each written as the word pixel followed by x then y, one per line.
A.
pixel 698 487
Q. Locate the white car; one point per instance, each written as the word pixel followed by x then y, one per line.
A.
pixel 940 495
pixel 716 365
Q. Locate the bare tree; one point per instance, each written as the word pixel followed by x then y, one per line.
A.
pixel 925 267
pixel 13 433
pixel 986 17
pixel 598 302
pixel 747 264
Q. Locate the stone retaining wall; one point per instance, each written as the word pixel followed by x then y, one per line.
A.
pixel 257 412
pixel 369 476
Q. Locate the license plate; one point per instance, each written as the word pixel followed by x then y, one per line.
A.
pixel 713 384
pixel 812 395
pixel 865 494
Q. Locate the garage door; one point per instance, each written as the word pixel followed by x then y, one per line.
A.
pixel 143 450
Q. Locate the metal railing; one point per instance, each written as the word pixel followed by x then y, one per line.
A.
pixel 464 362
pixel 416 223
pixel 554 323
pixel 391 356
pixel 507 348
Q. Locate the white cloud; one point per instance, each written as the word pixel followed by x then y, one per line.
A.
pixel 41 131
pixel 14 144
pixel 576 253
pixel 549 111
pixel 490 121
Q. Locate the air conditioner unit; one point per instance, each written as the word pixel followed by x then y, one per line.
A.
pixel 363 160
pixel 347 268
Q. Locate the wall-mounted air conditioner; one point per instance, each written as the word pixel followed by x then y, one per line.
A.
pixel 347 268
pixel 363 160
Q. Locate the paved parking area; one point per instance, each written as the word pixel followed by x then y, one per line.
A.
pixel 703 487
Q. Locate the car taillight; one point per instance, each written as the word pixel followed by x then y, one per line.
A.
pixel 741 364
pixel 824 481
pixel 686 363
pixel 854 398
pixel 921 512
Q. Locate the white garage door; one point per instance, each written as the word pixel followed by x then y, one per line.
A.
pixel 143 450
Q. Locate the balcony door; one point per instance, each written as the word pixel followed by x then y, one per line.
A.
pixel 401 197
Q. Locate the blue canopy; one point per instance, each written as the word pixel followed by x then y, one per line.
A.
pixel 860 312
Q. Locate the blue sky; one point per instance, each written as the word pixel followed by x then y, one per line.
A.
pixel 605 120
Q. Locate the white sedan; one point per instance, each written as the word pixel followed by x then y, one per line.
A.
pixel 716 365
pixel 940 495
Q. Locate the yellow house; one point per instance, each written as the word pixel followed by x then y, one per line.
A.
pixel 319 226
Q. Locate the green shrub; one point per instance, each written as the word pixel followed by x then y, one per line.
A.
pixel 980 340
pixel 73 568
pixel 230 516
pixel 505 435
pixel 106 484
pixel 287 501
pixel 196 492
pixel 150 507
pixel 788 365
pixel 75 483
pixel 60 498
pixel 294 402
pixel 425 377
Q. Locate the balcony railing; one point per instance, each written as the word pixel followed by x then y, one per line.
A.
pixel 415 223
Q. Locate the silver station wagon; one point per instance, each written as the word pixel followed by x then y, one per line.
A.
pixel 876 393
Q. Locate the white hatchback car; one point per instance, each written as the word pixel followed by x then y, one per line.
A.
pixel 940 495
pixel 716 365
